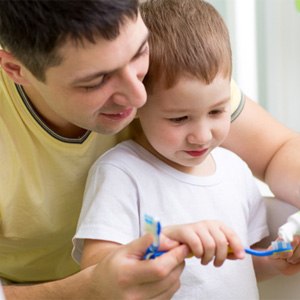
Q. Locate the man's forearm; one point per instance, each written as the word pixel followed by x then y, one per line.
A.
pixel 283 172
pixel 72 287
pixel 271 150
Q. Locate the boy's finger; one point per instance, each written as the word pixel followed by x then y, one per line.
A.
pixel 235 245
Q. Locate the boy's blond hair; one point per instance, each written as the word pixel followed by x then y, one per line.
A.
pixel 187 37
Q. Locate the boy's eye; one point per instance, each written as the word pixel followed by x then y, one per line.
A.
pixel 179 119
pixel 216 111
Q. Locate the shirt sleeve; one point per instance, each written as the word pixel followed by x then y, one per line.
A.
pixel 237 100
pixel 110 208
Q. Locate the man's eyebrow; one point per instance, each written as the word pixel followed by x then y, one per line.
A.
pixel 145 41
pixel 92 76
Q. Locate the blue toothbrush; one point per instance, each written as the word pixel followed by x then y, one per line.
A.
pixel 153 226
pixel 277 247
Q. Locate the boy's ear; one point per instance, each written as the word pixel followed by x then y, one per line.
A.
pixel 12 67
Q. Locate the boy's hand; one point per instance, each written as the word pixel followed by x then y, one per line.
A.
pixel 208 240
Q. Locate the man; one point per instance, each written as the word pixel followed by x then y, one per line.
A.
pixel 71 77
pixel 84 70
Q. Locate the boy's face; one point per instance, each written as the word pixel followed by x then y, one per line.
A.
pixel 97 86
pixel 184 123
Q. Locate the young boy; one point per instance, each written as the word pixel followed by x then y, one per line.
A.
pixel 174 169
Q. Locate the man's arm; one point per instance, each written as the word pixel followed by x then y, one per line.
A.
pixel 75 287
pixel 271 150
pixel 121 275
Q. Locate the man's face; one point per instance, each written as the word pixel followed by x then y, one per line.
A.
pixel 97 86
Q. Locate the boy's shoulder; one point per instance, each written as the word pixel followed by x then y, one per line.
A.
pixel 226 153
pixel 227 158
pixel 124 153
pixel 231 166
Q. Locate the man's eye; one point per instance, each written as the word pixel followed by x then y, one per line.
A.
pixel 97 85
pixel 93 87
pixel 179 119
pixel 144 51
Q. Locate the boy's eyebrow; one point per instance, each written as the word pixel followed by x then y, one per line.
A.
pixel 92 76
pixel 227 99
pixel 183 110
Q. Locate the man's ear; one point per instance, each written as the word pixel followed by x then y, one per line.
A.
pixel 12 67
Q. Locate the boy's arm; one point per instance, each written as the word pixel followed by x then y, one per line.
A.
pixel 94 251
pixel 121 275
pixel 270 149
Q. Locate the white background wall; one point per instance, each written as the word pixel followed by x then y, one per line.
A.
pixel 279 59
pixel 265 38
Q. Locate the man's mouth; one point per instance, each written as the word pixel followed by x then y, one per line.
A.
pixel 118 115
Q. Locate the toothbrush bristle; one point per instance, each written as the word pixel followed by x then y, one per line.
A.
pixel 281 246
pixel 152 226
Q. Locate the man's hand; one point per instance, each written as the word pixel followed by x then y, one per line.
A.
pixel 122 274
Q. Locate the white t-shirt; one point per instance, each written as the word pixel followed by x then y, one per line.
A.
pixel 128 182
pixel 2 297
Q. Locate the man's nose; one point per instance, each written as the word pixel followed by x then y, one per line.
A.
pixel 131 90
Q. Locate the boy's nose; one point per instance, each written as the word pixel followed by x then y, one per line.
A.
pixel 200 135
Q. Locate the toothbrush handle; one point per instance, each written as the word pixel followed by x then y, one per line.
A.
pixel 259 253
pixel 153 254
pixel 255 252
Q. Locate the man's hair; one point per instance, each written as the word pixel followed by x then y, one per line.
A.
pixel 187 37
pixel 33 30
